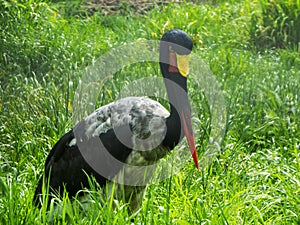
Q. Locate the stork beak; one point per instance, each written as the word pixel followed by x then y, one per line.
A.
pixel 188 130
pixel 183 67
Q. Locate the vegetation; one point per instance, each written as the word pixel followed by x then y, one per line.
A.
pixel 276 24
pixel 45 47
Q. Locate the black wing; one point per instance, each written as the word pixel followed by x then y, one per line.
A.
pixel 66 168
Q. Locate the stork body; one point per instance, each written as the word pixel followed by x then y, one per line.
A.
pixel 133 131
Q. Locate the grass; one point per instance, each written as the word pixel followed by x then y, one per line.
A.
pixel 255 179
pixel 276 24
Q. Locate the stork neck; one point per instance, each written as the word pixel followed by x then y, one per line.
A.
pixel 177 93
pixel 178 100
pixel 174 132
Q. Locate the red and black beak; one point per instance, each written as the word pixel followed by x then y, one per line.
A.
pixel 188 131
pixel 181 62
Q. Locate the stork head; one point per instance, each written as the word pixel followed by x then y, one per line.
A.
pixel 175 49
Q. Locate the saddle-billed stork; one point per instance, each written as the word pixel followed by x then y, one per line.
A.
pixel 152 133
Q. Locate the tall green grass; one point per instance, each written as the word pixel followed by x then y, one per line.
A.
pixel 45 46
pixel 276 24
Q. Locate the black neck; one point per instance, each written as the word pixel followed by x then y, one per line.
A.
pixel 174 133
pixel 178 99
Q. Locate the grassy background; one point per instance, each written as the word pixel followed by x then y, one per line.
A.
pixel 255 180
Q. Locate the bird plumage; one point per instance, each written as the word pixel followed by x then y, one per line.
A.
pixel 65 166
pixel 118 140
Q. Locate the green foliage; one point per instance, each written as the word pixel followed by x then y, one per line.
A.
pixel 276 24
pixel 207 24
pixel 255 180
pixel 37 40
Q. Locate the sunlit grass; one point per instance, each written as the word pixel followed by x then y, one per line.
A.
pixel 254 180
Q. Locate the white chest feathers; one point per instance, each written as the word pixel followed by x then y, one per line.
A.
pixel 144 117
